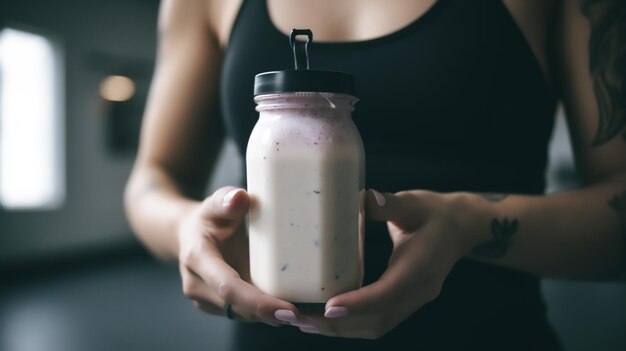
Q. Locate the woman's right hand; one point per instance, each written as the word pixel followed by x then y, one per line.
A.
pixel 214 261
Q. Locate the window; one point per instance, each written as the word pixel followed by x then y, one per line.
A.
pixel 31 144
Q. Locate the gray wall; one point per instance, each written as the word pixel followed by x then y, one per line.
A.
pixel 92 214
pixel 587 316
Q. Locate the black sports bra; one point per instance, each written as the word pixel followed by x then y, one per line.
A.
pixel 454 101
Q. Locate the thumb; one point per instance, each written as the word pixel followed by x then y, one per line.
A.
pixel 226 206
pixel 385 206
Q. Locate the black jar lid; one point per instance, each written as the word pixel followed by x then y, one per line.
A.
pixel 302 79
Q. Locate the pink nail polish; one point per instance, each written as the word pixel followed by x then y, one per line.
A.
pixel 380 198
pixel 303 321
pixel 285 316
pixel 228 198
pixel 336 312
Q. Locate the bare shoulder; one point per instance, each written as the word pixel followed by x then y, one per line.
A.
pixel 221 16
pixel 174 14
pixel 215 17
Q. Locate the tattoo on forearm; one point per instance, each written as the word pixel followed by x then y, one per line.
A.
pixel 502 232
pixel 607 65
pixel 618 203
pixel 493 197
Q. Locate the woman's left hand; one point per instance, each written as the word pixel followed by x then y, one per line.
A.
pixel 427 230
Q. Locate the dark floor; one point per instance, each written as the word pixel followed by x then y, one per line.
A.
pixel 131 303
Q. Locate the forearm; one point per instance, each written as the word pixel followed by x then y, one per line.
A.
pixel 574 234
pixel 154 207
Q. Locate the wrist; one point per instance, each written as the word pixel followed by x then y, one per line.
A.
pixel 472 215
pixel 183 220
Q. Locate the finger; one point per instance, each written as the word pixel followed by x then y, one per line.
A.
pixel 355 314
pixel 214 310
pixel 383 206
pixel 360 301
pixel 246 299
pixel 226 207
pixel 251 303
pixel 407 210
pixel 194 288
pixel 392 291
pixel 208 307
pixel 204 298
pixel 225 286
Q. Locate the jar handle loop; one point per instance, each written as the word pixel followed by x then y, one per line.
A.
pixel 300 48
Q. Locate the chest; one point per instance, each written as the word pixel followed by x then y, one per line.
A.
pixel 360 20
pixel 460 78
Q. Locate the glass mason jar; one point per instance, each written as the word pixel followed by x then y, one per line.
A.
pixel 305 174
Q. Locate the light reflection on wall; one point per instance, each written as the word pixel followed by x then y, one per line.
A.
pixel 31 160
pixel 117 88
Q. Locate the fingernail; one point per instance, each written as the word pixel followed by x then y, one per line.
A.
pixel 228 198
pixel 310 330
pixel 285 316
pixel 380 198
pixel 303 321
pixel 336 312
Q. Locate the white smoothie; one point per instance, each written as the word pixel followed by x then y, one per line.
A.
pixel 305 178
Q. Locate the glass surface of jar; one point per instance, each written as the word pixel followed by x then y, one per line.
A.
pixel 305 173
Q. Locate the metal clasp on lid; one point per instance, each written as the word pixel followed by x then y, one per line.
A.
pixel 300 49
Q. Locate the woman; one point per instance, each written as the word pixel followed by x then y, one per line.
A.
pixel 457 105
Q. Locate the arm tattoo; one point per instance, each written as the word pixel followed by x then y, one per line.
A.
pixel 607 65
pixel 493 197
pixel 502 232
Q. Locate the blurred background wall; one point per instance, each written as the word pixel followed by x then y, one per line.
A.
pixel 587 316
pixel 98 39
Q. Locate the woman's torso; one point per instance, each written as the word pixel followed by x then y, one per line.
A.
pixel 470 85
pixel 453 98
